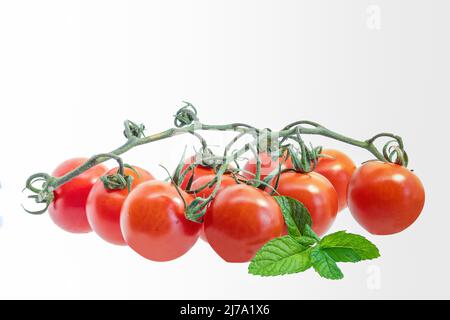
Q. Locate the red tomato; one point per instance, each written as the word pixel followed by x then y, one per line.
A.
pixel 240 221
pixel 385 198
pixel 315 192
pixel 199 171
pixel 227 180
pixel 268 165
pixel 338 171
pixel 103 206
pixel 153 221
pixel 68 209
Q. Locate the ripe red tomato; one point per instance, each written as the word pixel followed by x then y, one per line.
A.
pixel 199 171
pixel 385 198
pixel 68 207
pixel 240 221
pixel 153 221
pixel 103 206
pixel 338 171
pixel 227 180
pixel 268 165
pixel 315 192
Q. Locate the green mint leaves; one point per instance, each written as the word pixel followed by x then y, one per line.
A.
pixel 280 256
pixel 348 247
pixel 303 249
pixel 295 214
pixel 324 265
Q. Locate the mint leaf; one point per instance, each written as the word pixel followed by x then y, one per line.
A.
pixel 306 241
pixel 296 215
pixel 342 254
pixel 280 256
pixel 308 232
pixel 348 247
pixel 324 265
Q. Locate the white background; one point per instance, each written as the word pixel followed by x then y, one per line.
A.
pixel 72 71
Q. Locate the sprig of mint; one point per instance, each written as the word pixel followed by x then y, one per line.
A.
pixel 302 249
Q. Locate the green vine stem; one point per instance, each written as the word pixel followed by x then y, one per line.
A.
pixel 187 121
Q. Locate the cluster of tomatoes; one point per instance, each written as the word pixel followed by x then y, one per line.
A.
pixel 149 217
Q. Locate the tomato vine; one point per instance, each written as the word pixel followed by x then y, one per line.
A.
pixel 186 120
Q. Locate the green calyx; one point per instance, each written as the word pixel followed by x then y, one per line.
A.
pixel 304 158
pixel 117 181
pixel 197 209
